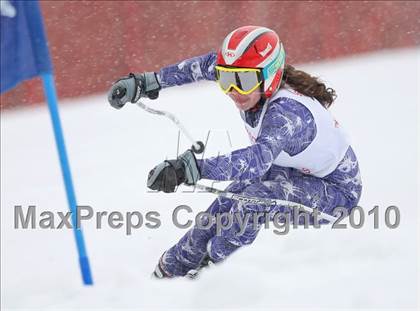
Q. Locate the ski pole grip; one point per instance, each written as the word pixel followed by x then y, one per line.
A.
pixel 119 92
pixel 198 147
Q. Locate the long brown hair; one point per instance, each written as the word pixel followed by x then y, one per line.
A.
pixel 308 85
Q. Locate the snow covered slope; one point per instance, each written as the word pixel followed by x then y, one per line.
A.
pixel 111 153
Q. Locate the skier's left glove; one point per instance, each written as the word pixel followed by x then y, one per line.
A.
pixel 171 173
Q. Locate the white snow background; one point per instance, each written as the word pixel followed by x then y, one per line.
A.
pixel 111 153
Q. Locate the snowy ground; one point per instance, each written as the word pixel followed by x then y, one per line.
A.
pixel 111 153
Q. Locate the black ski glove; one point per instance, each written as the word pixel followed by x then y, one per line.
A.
pixel 171 173
pixel 132 87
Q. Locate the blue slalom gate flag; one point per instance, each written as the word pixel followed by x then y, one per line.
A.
pixel 24 55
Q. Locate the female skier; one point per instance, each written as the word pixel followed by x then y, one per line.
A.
pixel 298 152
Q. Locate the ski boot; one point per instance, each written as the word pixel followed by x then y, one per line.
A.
pixel 206 262
pixel 159 273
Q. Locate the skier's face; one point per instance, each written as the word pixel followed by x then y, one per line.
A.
pixel 245 102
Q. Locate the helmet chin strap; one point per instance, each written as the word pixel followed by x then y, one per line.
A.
pixel 262 99
pixel 259 104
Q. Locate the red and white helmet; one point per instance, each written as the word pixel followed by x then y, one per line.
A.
pixel 255 47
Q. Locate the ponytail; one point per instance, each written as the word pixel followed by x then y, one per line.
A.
pixel 308 85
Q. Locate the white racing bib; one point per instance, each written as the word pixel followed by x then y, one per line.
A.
pixel 325 152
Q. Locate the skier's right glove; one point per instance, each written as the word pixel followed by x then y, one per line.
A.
pixel 132 87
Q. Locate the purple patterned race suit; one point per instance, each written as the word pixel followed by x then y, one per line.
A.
pixel 254 174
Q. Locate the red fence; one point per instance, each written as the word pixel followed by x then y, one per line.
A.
pixel 94 42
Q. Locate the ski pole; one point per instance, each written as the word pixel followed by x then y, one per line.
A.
pixel 197 146
pixel 257 200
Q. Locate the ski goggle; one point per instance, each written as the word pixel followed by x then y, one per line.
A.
pixel 243 80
